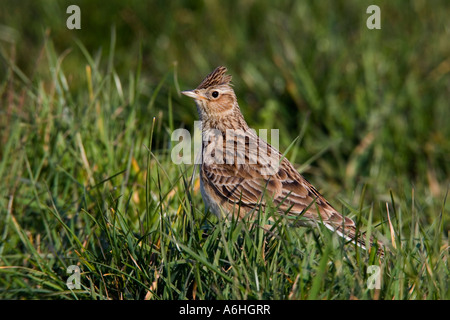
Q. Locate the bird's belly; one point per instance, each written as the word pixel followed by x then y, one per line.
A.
pixel 210 204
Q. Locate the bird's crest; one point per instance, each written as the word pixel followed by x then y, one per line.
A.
pixel 215 78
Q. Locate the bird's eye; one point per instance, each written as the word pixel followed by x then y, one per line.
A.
pixel 215 94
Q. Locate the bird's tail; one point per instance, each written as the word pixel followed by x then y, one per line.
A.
pixel 350 233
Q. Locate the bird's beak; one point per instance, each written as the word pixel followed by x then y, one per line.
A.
pixel 195 94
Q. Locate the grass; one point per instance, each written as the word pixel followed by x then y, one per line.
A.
pixel 85 160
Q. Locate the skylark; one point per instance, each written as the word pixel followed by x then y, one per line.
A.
pixel 239 171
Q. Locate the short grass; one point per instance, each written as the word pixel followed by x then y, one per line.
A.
pixel 85 160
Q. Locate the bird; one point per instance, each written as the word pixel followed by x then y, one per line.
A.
pixel 240 172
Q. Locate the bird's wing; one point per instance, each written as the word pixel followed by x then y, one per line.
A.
pixel 236 173
pixel 251 167
pixel 263 171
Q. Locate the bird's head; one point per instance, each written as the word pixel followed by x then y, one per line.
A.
pixel 215 98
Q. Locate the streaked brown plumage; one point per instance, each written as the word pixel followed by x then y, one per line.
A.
pixel 238 179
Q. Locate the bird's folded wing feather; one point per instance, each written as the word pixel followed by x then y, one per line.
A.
pixel 262 170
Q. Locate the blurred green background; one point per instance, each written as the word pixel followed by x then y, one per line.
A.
pixel 379 99
pixel 371 107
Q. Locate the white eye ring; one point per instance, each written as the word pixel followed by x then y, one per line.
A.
pixel 215 94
